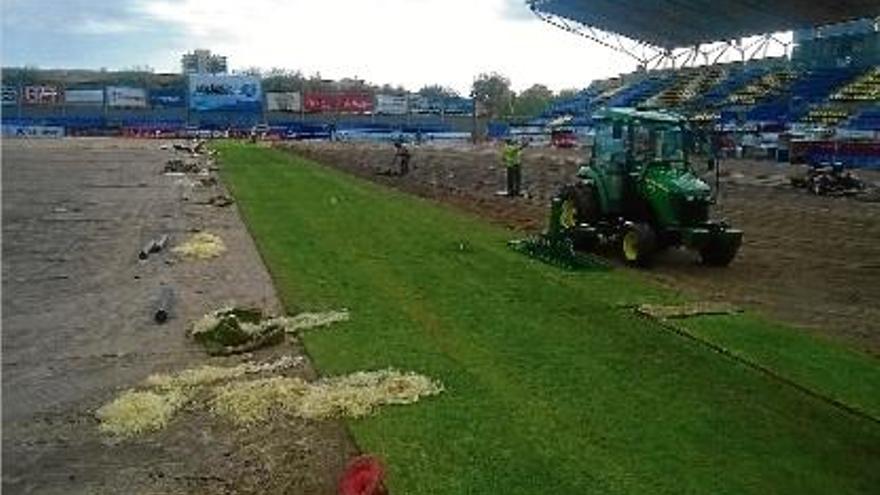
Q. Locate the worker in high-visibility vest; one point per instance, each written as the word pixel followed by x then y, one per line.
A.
pixel 512 156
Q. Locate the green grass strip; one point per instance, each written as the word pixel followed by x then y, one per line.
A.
pixel 551 388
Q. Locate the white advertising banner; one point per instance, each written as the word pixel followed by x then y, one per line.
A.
pixel 84 96
pixel 391 105
pixel 283 102
pixel 126 97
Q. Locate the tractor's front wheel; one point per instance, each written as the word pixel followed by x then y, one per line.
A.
pixel 579 206
pixel 639 244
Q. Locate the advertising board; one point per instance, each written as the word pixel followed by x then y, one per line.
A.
pixel 126 97
pixel 283 102
pixel 32 131
pixel 224 92
pixel 10 95
pixel 391 105
pixel 84 96
pixel 168 98
pixel 40 95
pixel 348 102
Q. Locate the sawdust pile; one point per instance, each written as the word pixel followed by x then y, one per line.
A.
pixel 202 246
pixel 206 375
pixel 228 394
pixel 136 412
pixel 686 310
pixel 354 395
pixel 251 402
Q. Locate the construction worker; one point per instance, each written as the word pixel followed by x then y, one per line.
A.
pixel 512 156
pixel 402 157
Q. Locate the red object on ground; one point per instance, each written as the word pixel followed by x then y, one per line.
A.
pixel 363 476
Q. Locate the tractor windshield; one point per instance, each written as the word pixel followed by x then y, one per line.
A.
pixel 655 143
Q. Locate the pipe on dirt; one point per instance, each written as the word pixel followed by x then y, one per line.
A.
pixel 153 246
pixel 159 244
pixel 164 304
pixel 146 250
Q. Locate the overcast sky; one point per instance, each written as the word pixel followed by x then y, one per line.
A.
pixel 401 42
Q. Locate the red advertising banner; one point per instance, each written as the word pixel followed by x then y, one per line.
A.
pixel 338 102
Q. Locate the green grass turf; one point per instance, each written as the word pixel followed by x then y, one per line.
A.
pixel 551 388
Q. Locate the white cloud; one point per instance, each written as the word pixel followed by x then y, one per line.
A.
pixel 103 26
pixel 407 42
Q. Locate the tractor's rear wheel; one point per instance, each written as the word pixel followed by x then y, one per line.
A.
pixel 639 244
pixel 719 252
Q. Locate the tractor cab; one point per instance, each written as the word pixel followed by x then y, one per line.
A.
pixel 639 189
pixel 628 143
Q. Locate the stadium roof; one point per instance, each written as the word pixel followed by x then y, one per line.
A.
pixel 682 23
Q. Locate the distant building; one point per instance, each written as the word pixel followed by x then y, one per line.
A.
pixel 203 62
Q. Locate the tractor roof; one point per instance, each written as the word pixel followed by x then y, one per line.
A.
pixel 636 114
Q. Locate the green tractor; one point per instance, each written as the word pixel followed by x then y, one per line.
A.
pixel 640 192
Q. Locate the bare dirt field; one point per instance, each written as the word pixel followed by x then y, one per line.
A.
pixel 78 328
pixel 812 261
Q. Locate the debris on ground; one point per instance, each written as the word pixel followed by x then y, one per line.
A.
pixel 164 304
pixel 209 181
pixel 831 180
pixel 305 321
pixel 153 246
pixel 178 166
pixel 355 395
pixel 364 475
pixel 230 331
pixel 202 245
pixel 206 375
pixel 134 412
pixel 194 147
pixel 686 310
pixel 227 394
pixel 220 201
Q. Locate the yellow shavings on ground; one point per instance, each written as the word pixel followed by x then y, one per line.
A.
pixel 353 395
pixel 304 321
pixel 205 375
pixel 248 403
pixel 687 310
pixel 133 413
pixel 201 246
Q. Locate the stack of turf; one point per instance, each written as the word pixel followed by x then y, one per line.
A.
pixel 235 330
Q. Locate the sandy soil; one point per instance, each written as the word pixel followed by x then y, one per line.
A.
pixel 812 261
pixel 77 328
